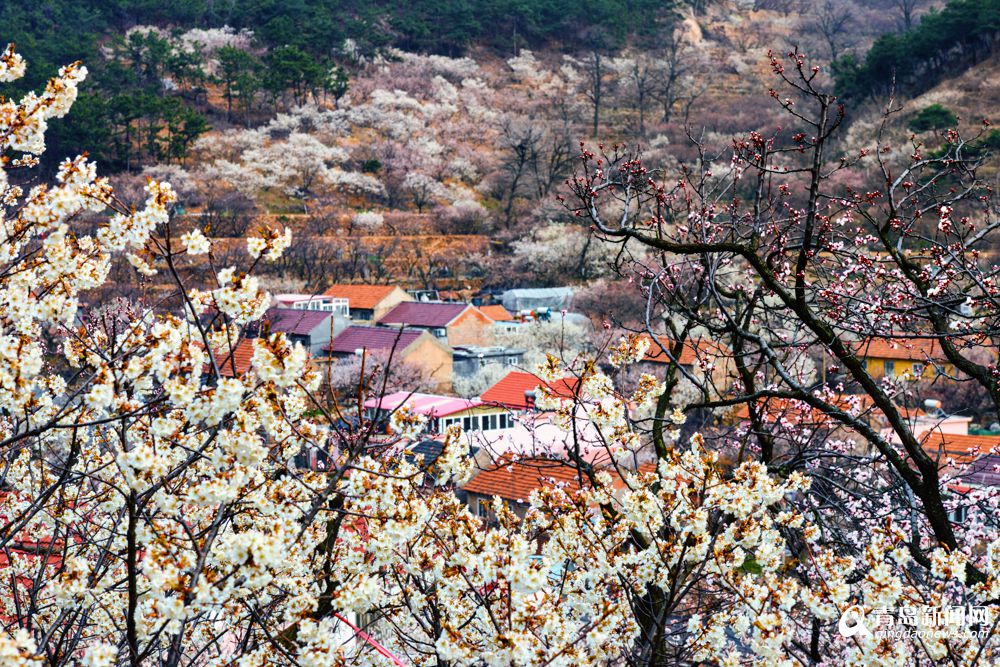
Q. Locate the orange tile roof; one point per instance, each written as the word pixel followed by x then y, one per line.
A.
pixel 775 409
pixel 961 448
pixel 497 313
pixel 910 349
pixel 364 297
pixel 240 358
pixel 515 480
pixel 690 353
pixel 794 411
pixel 509 391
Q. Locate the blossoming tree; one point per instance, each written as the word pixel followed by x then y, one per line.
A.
pixel 151 511
pixel 792 270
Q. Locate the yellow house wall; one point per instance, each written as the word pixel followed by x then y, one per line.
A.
pixel 434 359
pixel 392 299
pixel 471 328
pixel 876 367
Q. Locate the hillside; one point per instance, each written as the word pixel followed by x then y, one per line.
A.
pixel 438 163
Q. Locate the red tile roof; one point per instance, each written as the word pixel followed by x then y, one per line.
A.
pixel 372 338
pixel 497 313
pixel 295 320
pixel 515 480
pixel 417 314
pixel 364 297
pixel 239 358
pixel 910 349
pixel 509 391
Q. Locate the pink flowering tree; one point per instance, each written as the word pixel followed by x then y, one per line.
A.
pixel 794 278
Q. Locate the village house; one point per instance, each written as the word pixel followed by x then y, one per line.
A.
pixel 694 353
pixel 368 302
pixel 983 473
pixel 457 324
pixel 236 362
pixel 322 302
pixel 471 359
pixel 513 481
pixel 892 357
pixel 312 328
pixel 442 411
pixel 517 390
pixel 970 461
pixel 412 346
pixel 497 313
pixel 951 449
pixel 782 417
pixel 503 320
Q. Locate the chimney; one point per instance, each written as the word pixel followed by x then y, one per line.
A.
pixel 529 398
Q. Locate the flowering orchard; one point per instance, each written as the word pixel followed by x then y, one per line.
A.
pixel 151 511
pixel 795 259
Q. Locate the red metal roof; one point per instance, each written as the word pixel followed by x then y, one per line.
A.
pixel 294 320
pixel 983 472
pixel 414 313
pixel 372 338
pixel 509 391
pixel 429 405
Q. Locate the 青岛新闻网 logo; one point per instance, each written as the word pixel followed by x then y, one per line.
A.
pixel 852 622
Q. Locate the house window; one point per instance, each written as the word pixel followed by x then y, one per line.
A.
pixel 303 459
pixel 959 514
pixel 482 507
pixel 493 422
pixel 466 423
pixel 890 368
pixel 511 361
pixel 440 333
pixel 918 370
pixel 475 423
pixel 504 420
